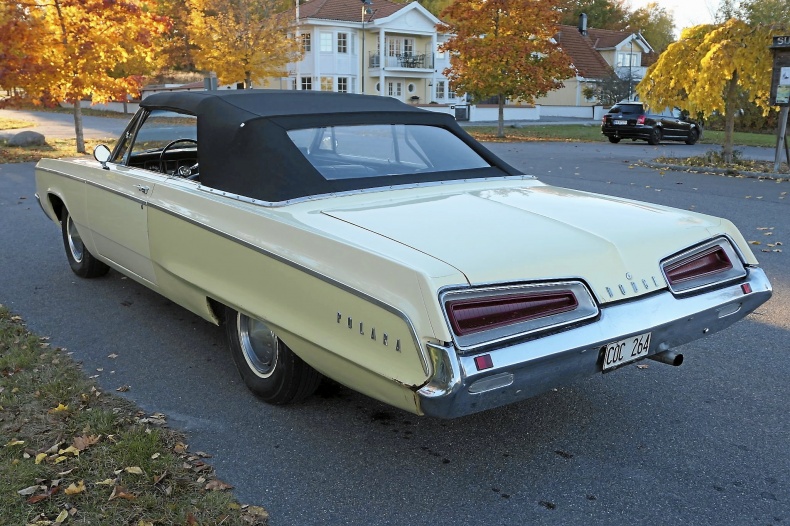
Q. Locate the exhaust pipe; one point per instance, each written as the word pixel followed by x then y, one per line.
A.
pixel 669 357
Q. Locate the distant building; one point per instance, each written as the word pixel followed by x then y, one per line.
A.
pixel 378 48
pixel 597 54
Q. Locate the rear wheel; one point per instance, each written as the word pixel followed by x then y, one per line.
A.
pixel 81 261
pixel 268 367
pixel 614 139
pixel 655 136
pixel 693 136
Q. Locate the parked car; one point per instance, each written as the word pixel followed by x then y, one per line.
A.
pixel 378 244
pixel 631 120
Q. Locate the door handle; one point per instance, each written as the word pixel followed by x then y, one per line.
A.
pixel 143 189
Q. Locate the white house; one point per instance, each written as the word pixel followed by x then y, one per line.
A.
pixel 378 48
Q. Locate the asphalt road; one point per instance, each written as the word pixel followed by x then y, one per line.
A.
pixel 701 444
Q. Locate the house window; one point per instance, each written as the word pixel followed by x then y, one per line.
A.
pixel 451 93
pixel 439 52
pixel 342 84
pixel 625 60
pixel 326 42
pixel 307 43
pixel 408 46
pixel 307 83
pixel 327 83
pixel 393 47
pixel 342 42
pixel 395 89
pixel 440 89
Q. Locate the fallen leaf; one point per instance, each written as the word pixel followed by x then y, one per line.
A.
pixel 119 492
pixel 59 408
pixel 123 388
pixel 142 522
pixel 180 448
pixel 134 470
pixel 15 443
pixel 642 366
pixel 218 485
pixel 160 478
pixel 40 457
pixel 71 449
pixel 30 490
pixel 113 356
pixel 62 516
pixel 755 243
pixel 155 456
pixel 191 520
pixel 84 442
pixel 106 482
pixel 258 511
pixel 74 489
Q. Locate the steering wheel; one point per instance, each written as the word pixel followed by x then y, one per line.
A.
pixel 182 171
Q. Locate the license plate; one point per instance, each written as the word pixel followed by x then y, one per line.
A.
pixel 625 351
pixel 621 123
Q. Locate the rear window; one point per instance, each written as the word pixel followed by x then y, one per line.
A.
pixel 626 108
pixel 378 150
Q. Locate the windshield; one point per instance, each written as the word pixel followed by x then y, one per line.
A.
pixel 377 150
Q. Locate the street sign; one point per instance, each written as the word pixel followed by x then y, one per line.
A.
pixel 781 41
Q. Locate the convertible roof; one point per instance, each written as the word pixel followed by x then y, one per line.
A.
pixel 244 147
pixel 271 103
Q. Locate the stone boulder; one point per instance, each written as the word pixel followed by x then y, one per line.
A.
pixel 27 138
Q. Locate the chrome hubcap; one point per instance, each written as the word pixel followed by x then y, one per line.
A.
pixel 76 246
pixel 258 344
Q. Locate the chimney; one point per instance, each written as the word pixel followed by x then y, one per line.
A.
pixel 583 24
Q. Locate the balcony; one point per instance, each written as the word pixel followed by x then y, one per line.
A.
pixel 403 60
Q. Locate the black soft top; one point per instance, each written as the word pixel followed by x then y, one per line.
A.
pixel 244 148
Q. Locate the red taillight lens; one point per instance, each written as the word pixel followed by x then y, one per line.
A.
pixel 640 119
pixel 706 263
pixel 479 314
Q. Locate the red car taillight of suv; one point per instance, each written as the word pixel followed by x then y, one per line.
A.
pixel 640 119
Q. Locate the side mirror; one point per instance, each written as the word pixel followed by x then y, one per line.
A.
pixel 102 154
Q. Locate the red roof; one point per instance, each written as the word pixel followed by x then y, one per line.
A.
pixel 588 62
pixel 347 10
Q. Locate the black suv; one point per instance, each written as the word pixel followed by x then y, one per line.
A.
pixel 630 120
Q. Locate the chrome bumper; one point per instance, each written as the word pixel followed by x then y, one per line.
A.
pixel 529 368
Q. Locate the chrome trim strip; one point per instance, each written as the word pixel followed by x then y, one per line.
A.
pixel 276 204
pixel 586 310
pixel 95 185
pixel 389 308
pixel 548 362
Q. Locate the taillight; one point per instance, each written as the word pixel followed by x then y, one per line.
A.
pixel 640 119
pixel 710 264
pixel 479 314
pixel 487 315
pixel 712 261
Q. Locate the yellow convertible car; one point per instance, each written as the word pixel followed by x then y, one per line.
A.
pixel 377 244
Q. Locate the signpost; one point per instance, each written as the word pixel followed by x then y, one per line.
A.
pixel 780 93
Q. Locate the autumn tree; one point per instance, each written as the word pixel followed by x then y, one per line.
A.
pixel 504 48
pixel 602 14
pixel 243 39
pixel 655 23
pixel 703 71
pixel 20 34
pixel 83 43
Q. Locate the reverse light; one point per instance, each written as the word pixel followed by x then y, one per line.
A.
pixel 484 316
pixel 710 264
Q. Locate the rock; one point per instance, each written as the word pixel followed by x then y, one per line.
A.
pixel 27 138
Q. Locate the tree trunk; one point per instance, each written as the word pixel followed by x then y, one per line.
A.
pixel 730 104
pixel 500 131
pixel 78 126
pixel 247 80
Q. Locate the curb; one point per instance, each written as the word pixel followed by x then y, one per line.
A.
pixel 719 171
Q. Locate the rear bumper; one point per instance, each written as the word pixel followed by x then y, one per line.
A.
pixel 627 132
pixel 529 368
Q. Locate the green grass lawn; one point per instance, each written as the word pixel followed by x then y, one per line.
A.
pixel 71 453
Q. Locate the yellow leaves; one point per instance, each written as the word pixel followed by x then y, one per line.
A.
pixel 135 470
pixel 59 409
pixel 40 457
pixel 15 443
pixel 75 489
